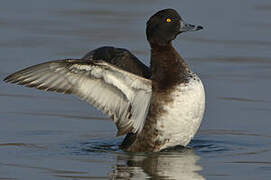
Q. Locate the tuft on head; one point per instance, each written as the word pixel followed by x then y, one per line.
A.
pixel 163 26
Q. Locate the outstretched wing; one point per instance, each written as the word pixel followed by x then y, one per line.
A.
pixel 123 96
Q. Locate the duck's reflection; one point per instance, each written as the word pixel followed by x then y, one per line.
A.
pixel 165 165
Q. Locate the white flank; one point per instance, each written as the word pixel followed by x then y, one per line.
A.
pixel 183 116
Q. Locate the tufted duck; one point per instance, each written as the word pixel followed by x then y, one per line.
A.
pixel 157 107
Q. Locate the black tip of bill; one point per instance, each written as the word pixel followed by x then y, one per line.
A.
pixel 198 28
pixel 185 27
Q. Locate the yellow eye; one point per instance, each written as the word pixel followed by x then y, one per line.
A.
pixel 168 20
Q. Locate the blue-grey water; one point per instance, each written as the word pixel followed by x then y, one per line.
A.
pixel 48 136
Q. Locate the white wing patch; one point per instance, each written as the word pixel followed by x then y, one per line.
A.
pixel 123 96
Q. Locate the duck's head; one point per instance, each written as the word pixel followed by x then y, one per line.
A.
pixel 165 25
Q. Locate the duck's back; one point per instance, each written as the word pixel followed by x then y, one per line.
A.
pixel 121 58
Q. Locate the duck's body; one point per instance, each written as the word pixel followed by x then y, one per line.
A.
pixel 157 107
pixel 174 120
pixel 176 107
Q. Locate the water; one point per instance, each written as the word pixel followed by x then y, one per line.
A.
pixel 54 136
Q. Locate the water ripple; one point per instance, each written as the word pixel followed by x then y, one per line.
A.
pixel 243 99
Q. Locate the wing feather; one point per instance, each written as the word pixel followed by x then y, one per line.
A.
pixel 123 96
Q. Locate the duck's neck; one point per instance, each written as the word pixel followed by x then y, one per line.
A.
pixel 167 67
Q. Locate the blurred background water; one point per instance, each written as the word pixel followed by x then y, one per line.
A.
pixel 53 136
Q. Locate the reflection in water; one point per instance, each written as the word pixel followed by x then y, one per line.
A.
pixel 177 163
pixel 165 165
pixel 173 163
